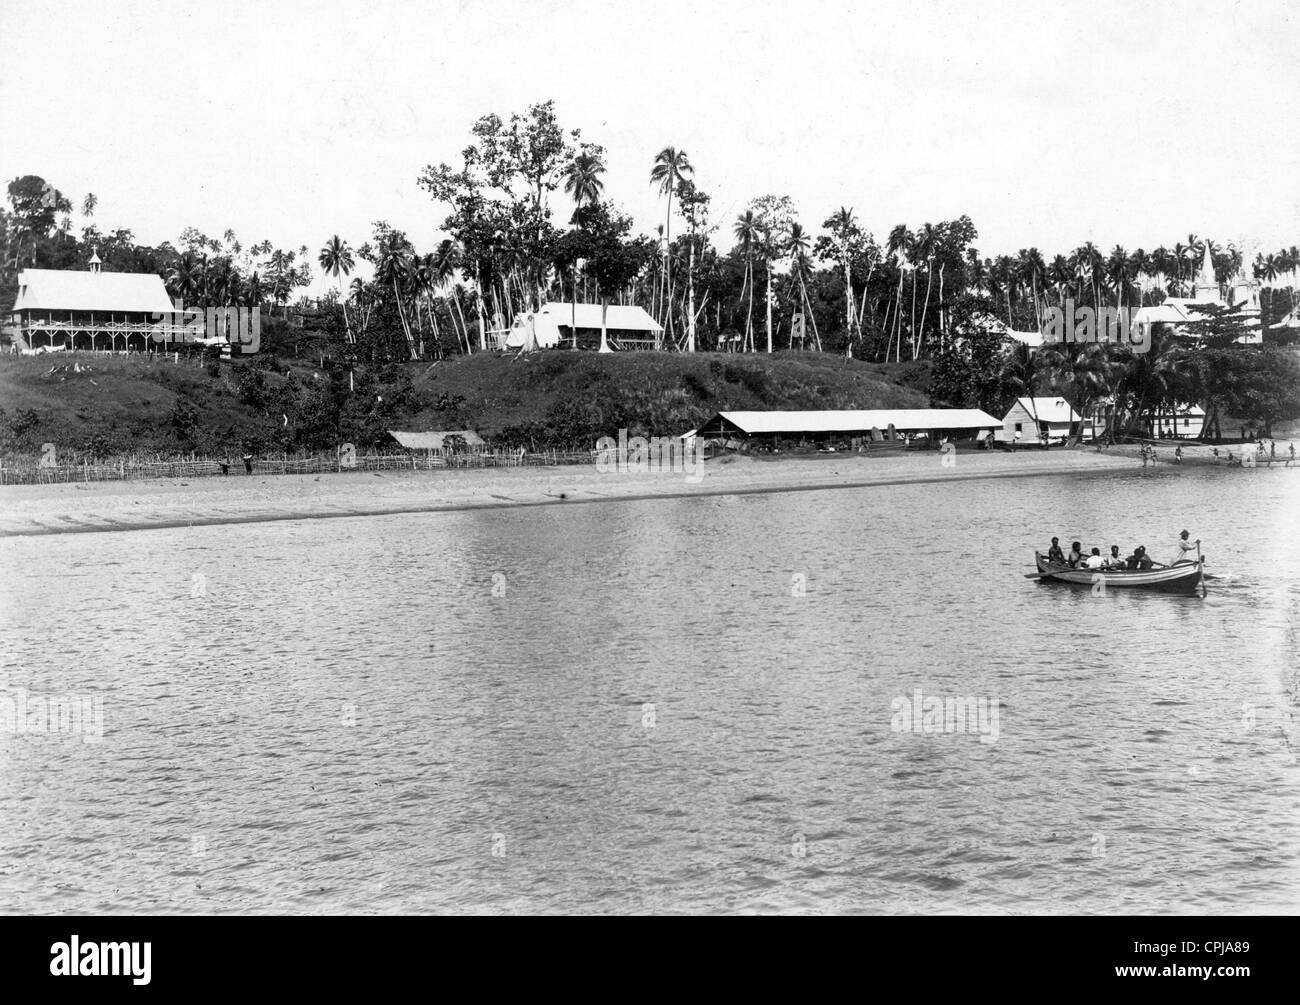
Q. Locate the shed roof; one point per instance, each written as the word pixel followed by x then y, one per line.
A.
pixel 65 290
pixel 851 420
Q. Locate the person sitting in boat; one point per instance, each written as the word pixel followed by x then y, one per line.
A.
pixel 1054 553
pixel 1076 555
pixel 1114 560
pixel 1139 561
pixel 1095 561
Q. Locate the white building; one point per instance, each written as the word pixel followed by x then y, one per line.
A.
pixel 1042 422
pixel 553 326
pixel 1243 297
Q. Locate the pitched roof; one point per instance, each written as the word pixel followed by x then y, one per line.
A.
pixel 65 290
pixel 588 316
pixel 434 440
pixel 849 420
pixel 1049 409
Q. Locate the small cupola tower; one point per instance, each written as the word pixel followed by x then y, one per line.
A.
pixel 94 260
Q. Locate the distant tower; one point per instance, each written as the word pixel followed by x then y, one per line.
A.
pixel 1206 287
pixel 94 260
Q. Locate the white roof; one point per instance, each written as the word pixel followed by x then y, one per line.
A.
pixel 1031 339
pixel 1170 312
pixel 60 290
pixel 588 316
pixel 1049 409
pixel 846 420
pixel 433 441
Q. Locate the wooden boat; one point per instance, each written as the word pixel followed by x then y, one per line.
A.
pixel 1182 577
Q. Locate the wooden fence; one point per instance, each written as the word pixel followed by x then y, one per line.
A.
pixel 31 472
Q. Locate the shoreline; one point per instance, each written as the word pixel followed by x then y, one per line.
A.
pixel 107 507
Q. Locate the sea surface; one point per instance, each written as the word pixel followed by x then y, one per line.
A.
pixel 696 704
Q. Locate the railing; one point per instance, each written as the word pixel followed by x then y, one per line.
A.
pixel 25 472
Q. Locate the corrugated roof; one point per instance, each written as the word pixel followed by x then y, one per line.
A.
pixel 852 420
pixel 60 290
pixel 434 440
pixel 1049 409
pixel 588 316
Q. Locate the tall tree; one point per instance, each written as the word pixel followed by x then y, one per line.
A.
pixel 670 167
pixel 336 260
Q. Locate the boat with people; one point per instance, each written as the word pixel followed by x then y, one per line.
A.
pixel 1186 576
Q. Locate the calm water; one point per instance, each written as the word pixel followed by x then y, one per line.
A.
pixel 342 716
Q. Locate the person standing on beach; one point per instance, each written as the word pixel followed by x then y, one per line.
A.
pixel 1291 459
pixel 1178 454
pixel 248 463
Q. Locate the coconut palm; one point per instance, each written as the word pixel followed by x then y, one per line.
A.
pixel 88 204
pixel 336 260
pixel 798 246
pixel 899 240
pixel 391 270
pixel 582 178
pixel 670 167
pixel 746 231
pixel 184 279
pixel 582 181
pixel 1082 374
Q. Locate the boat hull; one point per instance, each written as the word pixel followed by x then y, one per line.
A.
pixel 1184 577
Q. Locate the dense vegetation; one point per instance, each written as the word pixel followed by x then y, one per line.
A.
pixel 105 405
pixel 528 221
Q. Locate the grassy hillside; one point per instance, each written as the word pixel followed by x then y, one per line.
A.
pixel 103 405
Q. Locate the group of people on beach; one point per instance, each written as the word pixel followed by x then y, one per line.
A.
pixel 1259 452
pixel 1138 561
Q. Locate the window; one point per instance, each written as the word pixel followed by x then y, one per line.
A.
pixel 1018 427
pixel 1186 423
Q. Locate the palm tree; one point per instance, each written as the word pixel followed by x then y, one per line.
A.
pixel 582 181
pixel 1117 273
pixel 842 226
pixel 183 280
pixel 1083 373
pixel 746 231
pixel 391 271
pixel 1061 276
pixel 670 166
pixel 899 240
pixel 582 178
pixel 337 261
pixel 88 204
pixel 798 245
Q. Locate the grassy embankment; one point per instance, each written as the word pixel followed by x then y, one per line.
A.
pixel 97 405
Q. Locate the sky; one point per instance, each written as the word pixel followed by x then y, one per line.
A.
pixel 1049 124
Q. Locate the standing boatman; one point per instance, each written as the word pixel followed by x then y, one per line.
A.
pixel 1184 546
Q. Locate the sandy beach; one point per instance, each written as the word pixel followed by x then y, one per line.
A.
pixel 27 510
